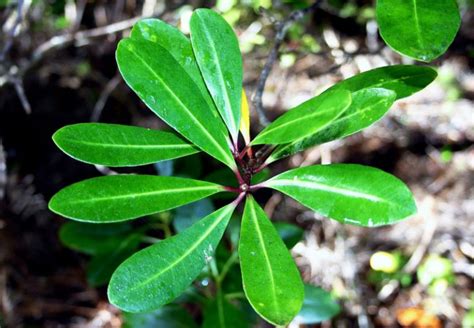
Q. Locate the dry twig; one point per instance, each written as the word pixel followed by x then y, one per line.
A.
pixel 282 28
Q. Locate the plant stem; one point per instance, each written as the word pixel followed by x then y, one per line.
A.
pixel 235 295
pixel 228 264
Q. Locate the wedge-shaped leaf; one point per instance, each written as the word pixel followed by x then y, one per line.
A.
pixel 169 91
pixel 306 119
pixel 367 107
pixel 404 80
pixel 102 265
pixel 349 193
pixel 420 29
pixel 178 45
pixel 91 238
pixel 218 55
pixel 124 197
pixel 271 280
pixel 120 145
pixel 318 306
pixel 158 274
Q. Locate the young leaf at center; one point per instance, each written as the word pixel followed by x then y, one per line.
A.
pixel 158 274
pixel 271 281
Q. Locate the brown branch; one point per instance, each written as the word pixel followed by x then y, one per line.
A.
pixel 282 28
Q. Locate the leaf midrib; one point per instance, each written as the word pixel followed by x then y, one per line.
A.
pixel 146 146
pixel 144 194
pixel 323 187
pixel 181 104
pixel 417 24
pixel 266 257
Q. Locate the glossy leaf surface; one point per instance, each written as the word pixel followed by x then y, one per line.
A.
pixel 272 283
pixel 404 80
pixel 168 90
pixel 123 197
pixel 178 45
pixel 120 145
pixel 158 274
pixel 420 29
pixel 318 306
pixel 349 193
pixel 367 107
pixel 102 265
pixel 218 55
pixel 306 119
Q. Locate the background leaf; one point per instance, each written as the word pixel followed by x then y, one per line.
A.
pixel 158 274
pixel 169 316
pixel 318 306
pixel 219 313
pixel 91 238
pixel 305 119
pixel 123 197
pixel 187 215
pixel 291 234
pixel 165 86
pixel 272 283
pixel 217 53
pixel 349 193
pixel 420 29
pixel 120 145
pixel 102 265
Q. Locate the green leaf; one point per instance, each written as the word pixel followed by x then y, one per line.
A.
pixel 219 313
pixel 178 45
pixel 420 29
pixel 349 193
pixel 218 55
pixel 124 197
pixel 168 89
pixel 404 80
pixel 170 316
pixel 93 239
pixel 367 107
pixel 306 119
pixel 318 306
pixel 160 273
pixel 102 265
pixel 272 283
pixel 120 145
pixel 290 234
